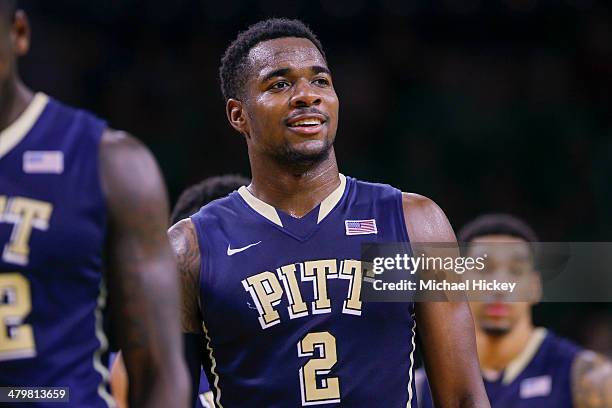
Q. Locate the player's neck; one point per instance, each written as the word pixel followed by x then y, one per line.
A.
pixel 496 352
pixel 295 193
pixel 15 99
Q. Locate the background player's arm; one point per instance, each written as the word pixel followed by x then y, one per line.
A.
pixel 446 329
pixel 184 242
pixel 142 279
pixel 119 382
pixel 592 381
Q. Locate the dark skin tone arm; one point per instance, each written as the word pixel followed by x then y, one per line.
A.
pixel 446 328
pixel 184 242
pixel 141 274
pixel 592 381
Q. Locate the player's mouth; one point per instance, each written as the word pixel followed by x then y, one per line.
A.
pixel 497 310
pixel 306 124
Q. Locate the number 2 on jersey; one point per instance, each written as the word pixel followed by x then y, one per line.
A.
pixel 327 390
pixel 16 338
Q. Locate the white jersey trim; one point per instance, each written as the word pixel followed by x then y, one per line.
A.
pixel 17 130
pixel 97 357
pixel 410 373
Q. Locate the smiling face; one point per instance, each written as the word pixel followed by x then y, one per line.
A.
pixel 288 109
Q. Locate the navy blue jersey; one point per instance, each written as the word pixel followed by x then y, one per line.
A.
pixel 539 377
pixel 52 233
pixel 203 389
pixel 284 322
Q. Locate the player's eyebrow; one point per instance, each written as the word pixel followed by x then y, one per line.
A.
pixel 316 69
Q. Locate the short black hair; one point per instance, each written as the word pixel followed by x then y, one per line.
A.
pixel 234 64
pixel 207 190
pixel 497 224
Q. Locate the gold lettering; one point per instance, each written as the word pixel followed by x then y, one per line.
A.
pixel 266 291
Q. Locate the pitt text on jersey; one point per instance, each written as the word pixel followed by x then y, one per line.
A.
pixel 25 214
pixel 267 292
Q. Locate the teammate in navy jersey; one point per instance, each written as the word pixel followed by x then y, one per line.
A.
pixel 80 205
pixel 271 274
pixel 188 203
pixel 524 366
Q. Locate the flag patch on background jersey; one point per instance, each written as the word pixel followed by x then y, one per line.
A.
pixel 360 227
pixel 536 386
pixel 43 161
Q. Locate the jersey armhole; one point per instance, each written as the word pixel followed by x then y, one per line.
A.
pixel 204 260
pixel 402 218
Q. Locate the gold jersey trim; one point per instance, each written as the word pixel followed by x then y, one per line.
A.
pixel 269 212
pixel 17 130
pixel 517 365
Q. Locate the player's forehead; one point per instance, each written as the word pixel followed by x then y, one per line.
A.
pixel 500 247
pixel 290 53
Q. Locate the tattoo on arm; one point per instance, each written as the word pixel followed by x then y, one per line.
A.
pixel 184 241
pixel 592 381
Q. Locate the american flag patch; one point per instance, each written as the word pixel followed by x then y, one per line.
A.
pixel 43 161
pixel 360 227
pixel 536 386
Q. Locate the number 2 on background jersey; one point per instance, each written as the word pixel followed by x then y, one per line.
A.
pixel 16 338
pixel 329 391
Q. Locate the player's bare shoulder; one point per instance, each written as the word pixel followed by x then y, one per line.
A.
pixel 127 164
pixel 592 380
pixel 184 242
pixel 425 220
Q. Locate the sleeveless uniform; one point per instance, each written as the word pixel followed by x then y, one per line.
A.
pixel 52 233
pixel 280 297
pixel 539 377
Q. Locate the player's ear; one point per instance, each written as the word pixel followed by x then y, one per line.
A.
pixel 20 33
pixel 237 116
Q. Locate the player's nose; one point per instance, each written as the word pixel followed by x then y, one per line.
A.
pixel 304 94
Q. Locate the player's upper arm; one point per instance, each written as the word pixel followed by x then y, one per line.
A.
pixel 592 381
pixel 141 272
pixel 425 221
pixel 446 329
pixel 184 241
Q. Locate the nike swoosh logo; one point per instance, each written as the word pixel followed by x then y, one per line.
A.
pixel 231 251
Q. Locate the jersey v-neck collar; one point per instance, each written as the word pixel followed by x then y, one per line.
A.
pixel 16 131
pixel 293 225
pixel 520 362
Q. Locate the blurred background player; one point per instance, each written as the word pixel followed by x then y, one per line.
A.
pixel 81 205
pixel 524 366
pixel 271 278
pixel 188 203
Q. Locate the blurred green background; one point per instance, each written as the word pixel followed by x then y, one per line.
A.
pixel 484 106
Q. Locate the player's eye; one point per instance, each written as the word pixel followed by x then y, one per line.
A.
pixel 280 85
pixel 321 81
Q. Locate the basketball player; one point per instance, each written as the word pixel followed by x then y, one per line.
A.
pixel 271 277
pixel 80 205
pixel 525 366
pixel 188 203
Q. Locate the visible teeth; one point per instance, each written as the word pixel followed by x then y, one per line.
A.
pixel 307 122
